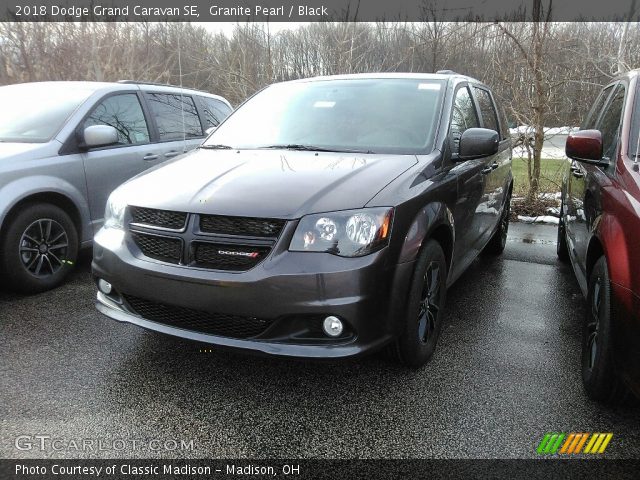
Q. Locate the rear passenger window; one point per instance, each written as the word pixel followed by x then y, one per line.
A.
pixel 214 110
pixel 169 110
pixel 124 113
pixel 487 110
pixel 464 112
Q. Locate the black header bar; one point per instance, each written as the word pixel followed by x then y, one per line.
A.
pixel 316 10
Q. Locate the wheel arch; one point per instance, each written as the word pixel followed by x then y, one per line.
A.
pixel 45 190
pixel 434 221
pixel 609 239
pixel 594 252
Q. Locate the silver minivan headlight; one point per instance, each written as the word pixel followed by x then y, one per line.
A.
pixel 114 212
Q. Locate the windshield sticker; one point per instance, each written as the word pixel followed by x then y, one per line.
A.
pixel 429 86
pixel 323 104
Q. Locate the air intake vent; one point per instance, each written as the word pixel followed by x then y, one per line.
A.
pixel 232 326
pixel 158 247
pixel 241 226
pixel 158 218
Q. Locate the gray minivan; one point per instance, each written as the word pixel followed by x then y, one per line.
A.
pixel 64 146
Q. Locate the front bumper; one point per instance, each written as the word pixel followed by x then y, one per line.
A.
pixel 292 291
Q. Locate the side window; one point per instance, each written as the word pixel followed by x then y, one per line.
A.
pixel 169 110
pixel 487 110
pixel 464 112
pixel 214 111
pixel 124 113
pixel 504 125
pixel 594 114
pixel 609 123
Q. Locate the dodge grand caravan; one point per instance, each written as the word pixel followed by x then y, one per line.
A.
pixel 324 218
pixel 64 146
pixel 598 232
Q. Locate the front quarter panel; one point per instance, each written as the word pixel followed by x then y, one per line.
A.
pixel 23 187
pixel 616 228
pixel 423 196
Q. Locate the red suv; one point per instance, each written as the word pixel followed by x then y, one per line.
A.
pixel 599 231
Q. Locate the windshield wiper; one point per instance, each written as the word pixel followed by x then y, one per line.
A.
pixel 311 148
pixel 216 147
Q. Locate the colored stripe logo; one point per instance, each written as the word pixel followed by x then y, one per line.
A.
pixel 574 443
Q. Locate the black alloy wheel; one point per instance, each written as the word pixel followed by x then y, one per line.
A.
pixel 599 377
pixel 498 241
pixel 561 244
pixel 38 248
pixel 422 323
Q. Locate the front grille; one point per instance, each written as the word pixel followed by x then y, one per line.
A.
pixel 160 248
pixel 227 257
pixel 241 226
pixel 158 218
pixel 233 326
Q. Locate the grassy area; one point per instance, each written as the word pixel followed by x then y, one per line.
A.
pixel 550 175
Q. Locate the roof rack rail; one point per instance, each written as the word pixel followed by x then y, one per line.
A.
pixel 157 84
pixel 446 72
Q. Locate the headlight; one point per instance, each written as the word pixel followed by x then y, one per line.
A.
pixel 352 233
pixel 114 213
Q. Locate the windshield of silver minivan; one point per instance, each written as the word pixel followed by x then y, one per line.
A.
pixel 35 112
pixel 355 115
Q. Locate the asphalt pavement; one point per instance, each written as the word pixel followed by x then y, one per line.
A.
pixel 506 371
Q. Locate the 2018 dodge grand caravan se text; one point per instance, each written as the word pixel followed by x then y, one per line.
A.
pixel 65 146
pixel 324 218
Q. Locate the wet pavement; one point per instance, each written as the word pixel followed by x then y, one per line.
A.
pixel 506 371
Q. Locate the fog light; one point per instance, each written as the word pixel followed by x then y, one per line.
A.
pixel 104 286
pixel 332 326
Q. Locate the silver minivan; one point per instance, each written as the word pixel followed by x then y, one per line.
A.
pixel 64 146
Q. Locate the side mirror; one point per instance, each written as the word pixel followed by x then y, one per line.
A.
pixel 478 143
pixel 585 146
pixel 100 136
pixel 210 130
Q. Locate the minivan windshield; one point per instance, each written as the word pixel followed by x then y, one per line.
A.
pixel 34 112
pixel 373 115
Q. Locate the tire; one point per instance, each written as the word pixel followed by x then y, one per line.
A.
pixel 598 372
pixel 38 249
pixel 499 239
pixel 423 318
pixel 561 244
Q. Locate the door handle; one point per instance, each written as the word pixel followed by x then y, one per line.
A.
pixel 150 156
pixel 577 173
pixel 487 170
pixel 494 165
pixel 172 153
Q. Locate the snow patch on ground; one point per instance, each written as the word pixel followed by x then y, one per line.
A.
pixel 547 152
pixel 546 219
pixel 554 140
pixel 548 131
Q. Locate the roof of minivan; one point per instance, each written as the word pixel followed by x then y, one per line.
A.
pixel 630 74
pixel 115 86
pixel 394 75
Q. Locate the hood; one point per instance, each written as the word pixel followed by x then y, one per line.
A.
pixel 265 183
pixel 31 151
